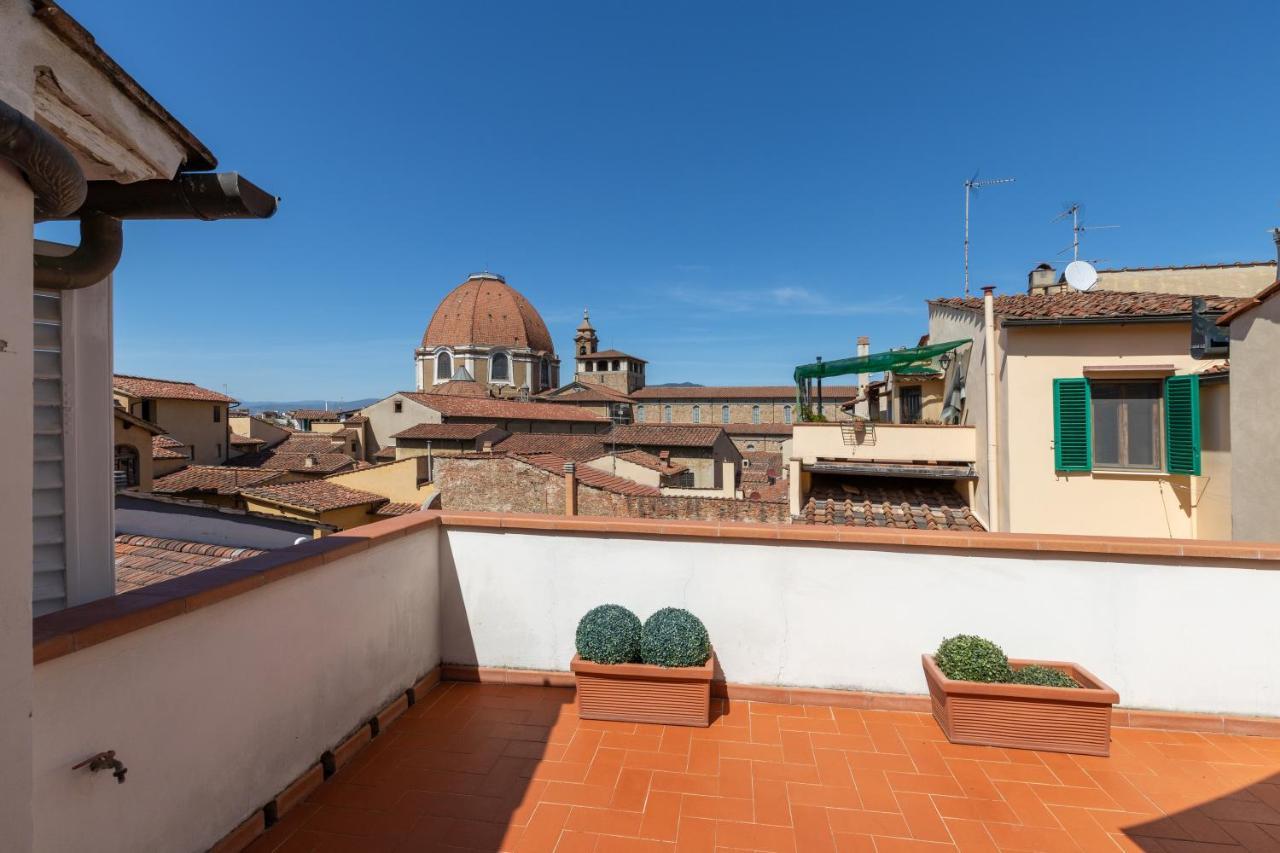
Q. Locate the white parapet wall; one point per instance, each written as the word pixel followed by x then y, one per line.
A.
pixel 1177 635
pixel 215 711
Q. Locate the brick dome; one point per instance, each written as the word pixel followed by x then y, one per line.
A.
pixel 484 310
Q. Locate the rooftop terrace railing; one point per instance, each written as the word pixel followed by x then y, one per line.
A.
pixel 219 689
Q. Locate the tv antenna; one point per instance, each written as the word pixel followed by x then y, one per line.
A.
pixel 1077 228
pixel 970 187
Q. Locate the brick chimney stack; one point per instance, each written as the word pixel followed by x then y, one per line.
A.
pixel 570 489
pixel 1042 281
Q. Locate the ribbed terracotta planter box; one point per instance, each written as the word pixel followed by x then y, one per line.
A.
pixel 643 693
pixel 1025 716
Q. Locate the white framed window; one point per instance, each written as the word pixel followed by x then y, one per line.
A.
pixel 444 367
pixel 499 367
pixel 696 414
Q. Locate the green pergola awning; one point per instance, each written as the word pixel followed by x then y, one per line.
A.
pixel 877 362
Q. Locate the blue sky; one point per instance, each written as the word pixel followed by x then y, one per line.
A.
pixel 732 188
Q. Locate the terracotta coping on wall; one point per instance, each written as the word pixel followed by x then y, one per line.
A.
pixel 869 701
pixel 65 631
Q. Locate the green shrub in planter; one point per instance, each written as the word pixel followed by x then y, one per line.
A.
pixel 609 633
pixel 968 658
pixel 1042 676
pixel 674 637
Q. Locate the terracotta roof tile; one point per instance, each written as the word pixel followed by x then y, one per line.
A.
pixel 889 502
pixel 165 389
pixel 764 460
pixel 648 460
pixel 133 420
pixel 443 432
pixel 385 453
pixel 734 392
pixel 1096 305
pixel 489 312
pixel 313 495
pixel 144 560
pixel 212 479
pixel 301 463
pixel 584 392
pixel 397 509
pixel 238 440
pixel 1247 305
pixel 476 407
pixel 587 475
pixel 664 435
pixel 578 448
pixel 460 388
pixel 167 447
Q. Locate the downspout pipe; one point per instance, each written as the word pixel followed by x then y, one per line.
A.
pixel 51 170
pixel 992 428
pixel 101 244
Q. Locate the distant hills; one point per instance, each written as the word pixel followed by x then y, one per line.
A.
pixel 677 385
pixel 290 405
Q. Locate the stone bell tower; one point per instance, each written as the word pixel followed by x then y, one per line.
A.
pixel 585 341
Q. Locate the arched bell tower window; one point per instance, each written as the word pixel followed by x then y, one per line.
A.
pixel 444 367
pixel 499 367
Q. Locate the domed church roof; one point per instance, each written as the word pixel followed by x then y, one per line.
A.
pixel 487 311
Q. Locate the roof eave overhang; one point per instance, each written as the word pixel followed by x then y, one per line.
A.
pixel 1095 321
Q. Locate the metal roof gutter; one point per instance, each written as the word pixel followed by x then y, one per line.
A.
pixel 1084 321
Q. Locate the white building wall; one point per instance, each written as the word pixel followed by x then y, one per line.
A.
pixel 1178 636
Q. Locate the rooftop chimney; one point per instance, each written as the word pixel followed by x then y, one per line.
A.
pixel 1043 280
pixel 570 489
pixel 310 461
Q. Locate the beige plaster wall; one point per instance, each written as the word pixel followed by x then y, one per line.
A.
pixel 192 423
pixel 140 440
pixel 1255 407
pixel 252 427
pixel 1213 487
pixel 967 370
pixel 397 481
pixel 1041 500
pixel 384 422
pixel 885 443
pixel 1221 281
pixel 292 686
pixel 627 470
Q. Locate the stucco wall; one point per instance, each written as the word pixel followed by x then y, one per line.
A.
pixel 192 423
pixel 140 440
pixel 969 371
pixel 1039 499
pixel 215 711
pixel 396 481
pixel 1176 636
pixel 1213 487
pixel 385 422
pixel 1255 399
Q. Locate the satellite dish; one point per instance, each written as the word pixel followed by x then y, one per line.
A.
pixel 1081 275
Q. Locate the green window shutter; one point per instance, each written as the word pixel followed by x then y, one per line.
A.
pixel 1072 425
pixel 1182 424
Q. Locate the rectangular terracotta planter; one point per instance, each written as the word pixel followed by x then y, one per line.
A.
pixel 643 693
pixel 1025 716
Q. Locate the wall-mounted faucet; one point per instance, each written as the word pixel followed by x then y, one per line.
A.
pixel 105 761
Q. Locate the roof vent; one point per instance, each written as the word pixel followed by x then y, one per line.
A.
pixel 493 276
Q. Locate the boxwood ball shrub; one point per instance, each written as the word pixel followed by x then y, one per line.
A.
pixel 674 637
pixel 1043 676
pixel 609 633
pixel 965 657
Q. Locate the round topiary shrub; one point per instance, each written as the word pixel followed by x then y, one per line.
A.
pixel 1043 676
pixel 609 633
pixel 968 658
pixel 674 637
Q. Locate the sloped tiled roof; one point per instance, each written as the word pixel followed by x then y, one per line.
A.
pixel 585 392
pixel 316 415
pixel 588 476
pixel 144 560
pixel 1095 305
pixel 167 447
pixel 648 460
pixel 763 460
pixel 1246 305
pixel 397 509
pixel 575 447
pixel 664 435
pixel 385 453
pixel 477 407
pixel 165 389
pixel 890 502
pixel 460 388
pixel 733 392
pixel 313 495
pixel 238 440
pixel 214 479
pixel 302 463
pixel 444 432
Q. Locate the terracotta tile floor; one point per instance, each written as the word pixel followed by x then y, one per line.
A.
pixel 512 768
